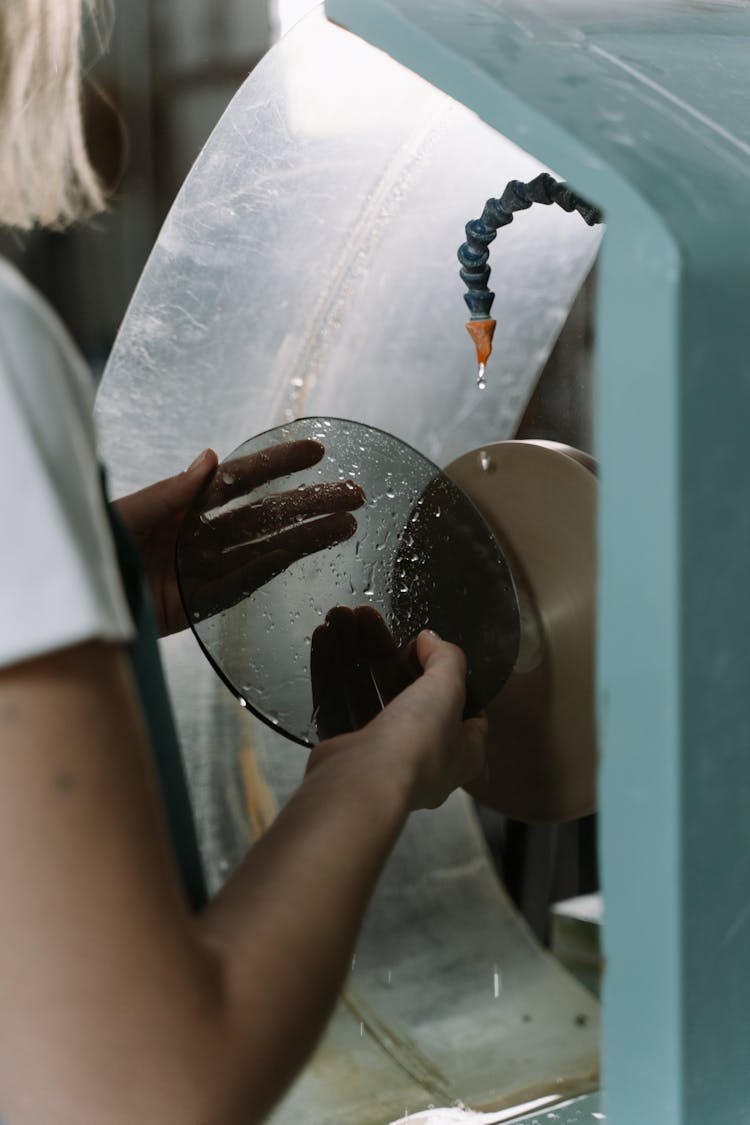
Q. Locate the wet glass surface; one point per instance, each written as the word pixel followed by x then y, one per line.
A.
pixel 319 551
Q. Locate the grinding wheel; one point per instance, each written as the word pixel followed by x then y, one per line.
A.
pixel 540 500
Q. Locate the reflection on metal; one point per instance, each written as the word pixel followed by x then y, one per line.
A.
pixel 575 938
pixel 458 1115
pixel 580 1111
pixel 277 287
pixel 540 499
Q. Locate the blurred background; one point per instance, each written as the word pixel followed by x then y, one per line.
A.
pixel 155 90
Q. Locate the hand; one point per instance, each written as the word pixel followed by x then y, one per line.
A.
pixel 232 552
pixel 229 550
pixel 153 517
pixel 420 735
pixel 356 668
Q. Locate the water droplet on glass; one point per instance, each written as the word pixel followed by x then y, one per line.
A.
pixel 481 382
pixel 243 702
pixel 297 382
pixel 369 592
pixel 485 461
pixel 391 494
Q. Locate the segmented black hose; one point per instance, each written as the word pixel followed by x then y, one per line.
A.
pixel 474 253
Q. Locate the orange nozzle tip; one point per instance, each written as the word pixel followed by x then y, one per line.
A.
pixel 481 332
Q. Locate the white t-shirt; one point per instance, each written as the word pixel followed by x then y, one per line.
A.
pixel 59 579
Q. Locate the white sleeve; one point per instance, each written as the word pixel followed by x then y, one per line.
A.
pixel 59 579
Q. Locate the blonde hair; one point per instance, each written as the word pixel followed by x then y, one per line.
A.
pixel 45 175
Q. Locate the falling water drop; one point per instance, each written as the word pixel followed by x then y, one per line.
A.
pixel 485 461
pixel 481 381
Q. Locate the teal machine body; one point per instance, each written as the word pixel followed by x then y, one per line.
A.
pixel 643 108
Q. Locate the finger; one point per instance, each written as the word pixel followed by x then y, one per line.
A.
pixel 207 598
pixel 343 687
pixel 160 502
pixel 242 474
pixel 444 667
pixel 411 661
pixel 239 573
pixel 440 655
pixel 329 700
pixel 362 699
pixel 388 665
pixel 284 508
pixel 297 542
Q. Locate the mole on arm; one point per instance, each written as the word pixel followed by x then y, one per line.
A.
pixel 63 781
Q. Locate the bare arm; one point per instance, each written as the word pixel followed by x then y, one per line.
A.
pixel 117 1004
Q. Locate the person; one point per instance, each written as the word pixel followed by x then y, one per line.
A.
pixel 124 996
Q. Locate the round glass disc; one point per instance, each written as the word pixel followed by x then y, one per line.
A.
pixel 319 550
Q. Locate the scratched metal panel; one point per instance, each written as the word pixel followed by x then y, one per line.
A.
pixel 308 266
